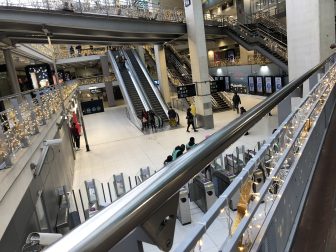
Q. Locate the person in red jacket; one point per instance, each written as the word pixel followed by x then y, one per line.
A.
pixel 75 135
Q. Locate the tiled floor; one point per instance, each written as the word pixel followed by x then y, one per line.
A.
pixel 117 146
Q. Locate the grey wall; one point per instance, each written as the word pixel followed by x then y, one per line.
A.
pixel 239 74
pixel 57 171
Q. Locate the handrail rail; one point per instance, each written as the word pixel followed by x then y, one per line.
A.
pixel 151 83
pixel 107 228
pixel 136 81
pixel 117 73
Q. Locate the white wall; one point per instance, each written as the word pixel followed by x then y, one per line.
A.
pixel 310 31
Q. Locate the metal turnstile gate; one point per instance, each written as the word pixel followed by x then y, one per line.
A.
pixel 202 192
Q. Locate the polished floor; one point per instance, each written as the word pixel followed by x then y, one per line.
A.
pixel 119 147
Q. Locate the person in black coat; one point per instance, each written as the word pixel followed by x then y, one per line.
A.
pixel 190 120
pixel 236 101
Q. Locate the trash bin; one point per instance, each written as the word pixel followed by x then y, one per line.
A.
pixel 183 210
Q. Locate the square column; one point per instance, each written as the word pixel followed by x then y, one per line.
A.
pixel 161 68
pixel 108 84
pixel 11 72
pixel 141 53
pixel 199 63
pixel 310 32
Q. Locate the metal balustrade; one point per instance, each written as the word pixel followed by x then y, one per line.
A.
pixel 64 54
pixel 252 36
pixel 23 116
pixel 278 157
pixel 93 80
pixel 128 9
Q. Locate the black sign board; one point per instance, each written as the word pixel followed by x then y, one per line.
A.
pixel 224 82
pixel 217 86
pixel 186 91
pixel 92 107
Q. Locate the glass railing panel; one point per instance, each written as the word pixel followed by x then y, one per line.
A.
pixel 149 11
pixel 260 194
pixel 25 113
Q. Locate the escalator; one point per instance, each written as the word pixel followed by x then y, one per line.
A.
pixel 127 85
pixel 181 67
pixel 316 230
pixel 159 107
pixel 269 30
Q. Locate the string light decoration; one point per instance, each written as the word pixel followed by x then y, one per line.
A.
pixel 22 120
pixel 291 141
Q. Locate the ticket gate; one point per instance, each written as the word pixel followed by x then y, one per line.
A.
pixel 222 179
pixel 144 173
pixel 233 164
pixel 202 192
pixel 91 191
pixel 119 184
pixel 183 210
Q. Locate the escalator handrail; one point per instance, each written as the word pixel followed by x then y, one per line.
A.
pixel 151 83
pixel 108 227
pixel 128 99
pixel 136 82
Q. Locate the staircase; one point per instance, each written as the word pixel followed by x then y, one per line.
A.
pixel 222 106
pixel 153 99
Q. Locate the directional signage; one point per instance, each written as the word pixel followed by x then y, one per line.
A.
pixel 217 86
pixel 186 91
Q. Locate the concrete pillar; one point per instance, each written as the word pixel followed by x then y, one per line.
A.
pixel 11 72
pixel 161 68
pixel 310 32
pixel 108 84
pixel 199 63
pixel 141 53
pixel 243 11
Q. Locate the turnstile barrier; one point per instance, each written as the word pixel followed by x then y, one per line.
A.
pixel 202 192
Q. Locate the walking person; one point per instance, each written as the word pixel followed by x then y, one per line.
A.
pixel 75 135
pixel 190 120
pixel 236 101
